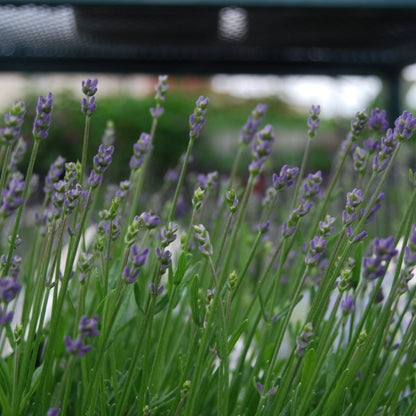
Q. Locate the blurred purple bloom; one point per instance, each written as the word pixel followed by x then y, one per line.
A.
pixel 304 339
pixel 9 288
pixel 286 177
pixel 317 247
pixel 360 156
pixel 202 236
pixel 314 120
pixel 5 317
pixel 347 305
pixel 123 189
pixel 12 196
pixel 14 121
pixel 140 149
pixel 89 87
pixel 88 106
pixel 208 181
pixel 388 144
pixel 43 117
pixel 372 145
pixel 103 159
pixel 55 172
pixel 197 119
pixel 378 121
pixel 87 327
pixel 404 126
pixel 263 228
pixel 153 290
pixel 53 411
pixel 358 124
pixel 164 257
pixel 94 179
pixel 149 220
pixel 253 123
pixel 311 187
pixel 76 347
pixel 326 227
pixel 17 155
pixel 354 199
pixel 383 251
pixel 168 235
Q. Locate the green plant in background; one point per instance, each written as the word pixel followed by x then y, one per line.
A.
pixel 276 299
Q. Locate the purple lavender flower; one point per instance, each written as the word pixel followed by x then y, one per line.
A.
pixel 197 119
pixel 286 177
pixel 388 144
pixel 87 326
pixel 138 259
pixel 208 181
pixel 9 288
pixel 311 187
pixel 109 134
pixel 53 411
pixel 404 126
pixel 378 121
pixel 155 291
pixel 263 228
pixel 358 124
pixel 12 196
pixel 317 247
pixel 383 251
pixel 17 155
pixel 295 216
pixel 326 227
pixel 202 236
pixel 94 179
pixel 410 249
pixel 55 172
pixel 304 339
pixel 5 317
pixel 354 199
pixel 89 87
pixel 84 265
pixel 149 220
pixel 314 120
pixel 371 145
pixel 103 159
pixel 88 106
pixel 168 235
pixel 140 149
pixel 254 120
pixel 360 157
pixel 347 305
pixel 14 121
pixel 43 117
pixel 261 149
pixel 161 88
pixel 76 347
pixel 165 258
pixel 123 190
pixel 376 206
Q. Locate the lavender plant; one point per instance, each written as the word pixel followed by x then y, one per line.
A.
pixel 122 308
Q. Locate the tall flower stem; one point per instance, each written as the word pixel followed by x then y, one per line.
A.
pixel 85 148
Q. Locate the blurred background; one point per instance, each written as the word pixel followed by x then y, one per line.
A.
pixel 344 55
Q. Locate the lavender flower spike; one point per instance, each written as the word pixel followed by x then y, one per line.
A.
pixel 14 121
pixel 254 120
pixel 43 117
pixel 197 119
pixel 161 88
pixel 202 236
pixel 314 120
pixel 76 347
pixel 87 327
pixel 89 88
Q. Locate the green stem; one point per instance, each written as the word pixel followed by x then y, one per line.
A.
pixel 85 148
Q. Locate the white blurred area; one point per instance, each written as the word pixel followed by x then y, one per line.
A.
pixel 338 96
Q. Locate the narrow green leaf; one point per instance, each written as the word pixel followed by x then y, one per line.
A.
pixel 358 256
pixel 162 302
pixel 33 388
pixel 234 337
pixel 194 301
pixel 411 176
pixel 136 291
pixel 5 379
pixel 308 367
pixel 181 269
